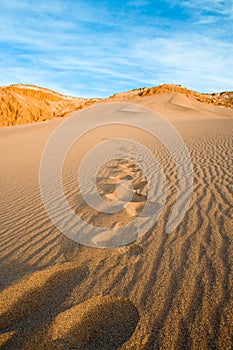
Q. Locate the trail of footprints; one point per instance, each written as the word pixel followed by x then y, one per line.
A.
pixel 121 179
pixel 182 281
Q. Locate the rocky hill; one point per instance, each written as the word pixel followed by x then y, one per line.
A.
pixel 224 99
pixel 21 104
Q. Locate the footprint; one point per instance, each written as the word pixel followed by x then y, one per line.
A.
pixel 40 291
pixel 112 196
pixel 124 176
pixel 98 323
pixel 28 306
pixel 123 192
pixel 134 250
pixel 113 238
pixel 139 197
pixel 140 185
pixel 142 191
pixel 135 208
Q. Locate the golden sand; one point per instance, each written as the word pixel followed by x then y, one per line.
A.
pixel 162 291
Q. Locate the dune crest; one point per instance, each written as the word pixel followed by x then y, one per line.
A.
pixel 22 104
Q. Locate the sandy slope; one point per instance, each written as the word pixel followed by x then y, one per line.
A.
pixel 161 292
pixel 22 104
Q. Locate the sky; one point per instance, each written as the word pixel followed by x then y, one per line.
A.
pixel 96 48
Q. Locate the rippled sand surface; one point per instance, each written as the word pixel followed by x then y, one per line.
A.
pixel 163 291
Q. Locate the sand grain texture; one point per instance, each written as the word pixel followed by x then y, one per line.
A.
pixel 162 291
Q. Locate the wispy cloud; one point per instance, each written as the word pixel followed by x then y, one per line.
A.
pixel 187 58
pixel 137 3
pixel 96 48
pixel 218 6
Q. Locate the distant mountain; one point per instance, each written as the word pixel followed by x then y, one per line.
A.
pixel 22 104
pixel 224 99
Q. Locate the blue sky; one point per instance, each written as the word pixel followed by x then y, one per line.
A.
pixel 97 48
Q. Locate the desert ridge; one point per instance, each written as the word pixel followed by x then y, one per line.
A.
pixel 22 104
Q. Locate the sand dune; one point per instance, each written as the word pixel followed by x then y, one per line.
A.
pixel 22 104
pixel 161 291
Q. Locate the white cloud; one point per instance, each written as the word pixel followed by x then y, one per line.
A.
pixel 90 52
pixel 224 7
pixel 192 60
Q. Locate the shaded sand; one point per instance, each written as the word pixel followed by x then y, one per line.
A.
pixel 162 291
pixel 98 323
